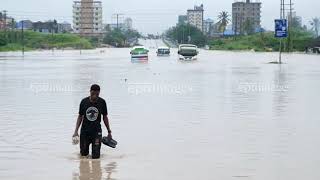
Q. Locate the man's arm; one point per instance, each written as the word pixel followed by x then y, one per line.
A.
pixel 79 122
pixel 106 122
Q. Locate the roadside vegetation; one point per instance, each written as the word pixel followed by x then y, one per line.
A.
pixel 12 41
pixel 121 38
pixel 184 33
pixel 298 40
pixel 264 41
pixel 247 38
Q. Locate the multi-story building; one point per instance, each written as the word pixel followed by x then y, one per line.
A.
pixel 244 13
pixel 64 27
pixel 6 22
pixel 195 16
pixel 208 26
pixel 87 18
pixel 2 24
pixel 45 27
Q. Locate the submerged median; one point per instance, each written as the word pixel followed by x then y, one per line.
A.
pixel 263 42
pixel 15 40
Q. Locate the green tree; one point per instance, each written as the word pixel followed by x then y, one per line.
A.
pixel 185 33
pixel 249 26
pixel 224 19
pixel 296 23
pixel 315 23
pixel 120 38
pixel 3 41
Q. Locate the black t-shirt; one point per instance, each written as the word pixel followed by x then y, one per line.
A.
pixel 92 112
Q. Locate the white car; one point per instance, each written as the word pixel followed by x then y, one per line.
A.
pixel 139 53
pixel 163 51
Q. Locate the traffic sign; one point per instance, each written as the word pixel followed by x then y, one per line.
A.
pixel 281 28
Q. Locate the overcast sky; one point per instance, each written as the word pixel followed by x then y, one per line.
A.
pixel 150 16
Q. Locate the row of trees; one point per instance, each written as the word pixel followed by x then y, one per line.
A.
pixel 315 25
pixel 185 33
pixel 117 38
pixel 121 38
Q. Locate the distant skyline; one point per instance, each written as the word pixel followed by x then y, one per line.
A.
pixel 150 17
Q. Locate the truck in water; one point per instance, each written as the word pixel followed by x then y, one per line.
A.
pixel 188 52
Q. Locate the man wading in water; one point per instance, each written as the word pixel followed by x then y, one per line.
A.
pixel 90 111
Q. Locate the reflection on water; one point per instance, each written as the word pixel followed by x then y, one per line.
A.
pixel 111 168
pixel 92 170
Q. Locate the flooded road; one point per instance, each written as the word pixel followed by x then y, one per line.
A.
pixel 227 116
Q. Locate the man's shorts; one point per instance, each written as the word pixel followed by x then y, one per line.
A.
pixel 90 138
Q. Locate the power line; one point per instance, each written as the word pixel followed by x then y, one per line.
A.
pixel 117 17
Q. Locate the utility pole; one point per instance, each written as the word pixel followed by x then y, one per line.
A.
pixel 236 27
pixel 117 16
pixel 53 29
pixel 290 20
pixel 282 16
pixel 5 19
pixel 22 36
pixel 280 48
pixel 182 35
pixel 241 23
pixel 5 23
pixel 189 36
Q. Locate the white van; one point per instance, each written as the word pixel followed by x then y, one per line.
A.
pixel 188 52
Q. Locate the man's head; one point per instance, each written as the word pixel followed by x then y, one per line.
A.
pixel 94 92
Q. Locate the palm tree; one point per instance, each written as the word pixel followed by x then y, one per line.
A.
pixel 223 20
pixel 315 23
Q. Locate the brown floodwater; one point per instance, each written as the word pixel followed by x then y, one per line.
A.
pixel 227 116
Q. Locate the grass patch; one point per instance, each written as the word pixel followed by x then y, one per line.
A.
pixel 12 41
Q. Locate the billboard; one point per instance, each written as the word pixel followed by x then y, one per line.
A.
pixel 281 28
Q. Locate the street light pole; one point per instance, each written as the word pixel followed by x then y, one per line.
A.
pixel 22 34
pixel 290 19
pixel 5 22
pixel 282 15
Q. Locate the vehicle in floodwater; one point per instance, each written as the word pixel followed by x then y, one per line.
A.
pixel 139 53
pixel 188 52
pixel 163 51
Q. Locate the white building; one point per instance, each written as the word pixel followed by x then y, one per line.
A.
pixel 244 11
pixel 64 27
pixel 87 18
pixel 195 16
pixel 208 26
